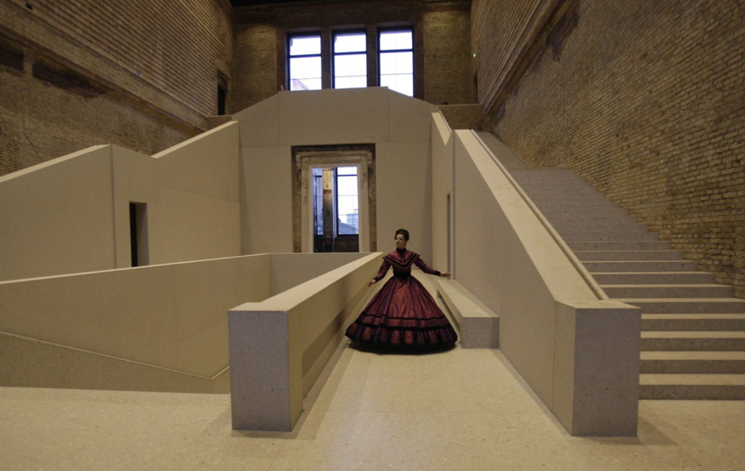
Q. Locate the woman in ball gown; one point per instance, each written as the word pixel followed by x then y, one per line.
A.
pixel 403 313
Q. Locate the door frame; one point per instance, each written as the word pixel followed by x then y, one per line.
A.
pixel 309 160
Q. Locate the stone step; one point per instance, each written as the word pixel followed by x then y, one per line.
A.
pixel 560 181
pixel 589 220
pixel 687 305
pixel 667 291
pixel 632 231
pixel 572 195
pixel 693 322
pixel 692 341
pixel 650 278
pixel 549 173
pixel 553 181
pixel 584 245
pixel 693 363
pixel 680 386
pixel 640 266
pixel 548 205
pixel 594 204
pixel 568 211
pixel 602 235
pixel 599 255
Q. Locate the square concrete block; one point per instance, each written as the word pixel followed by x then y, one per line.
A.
pixel 259 370
pixel 596 391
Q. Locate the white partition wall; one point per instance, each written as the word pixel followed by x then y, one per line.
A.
pixel 72 214
pixel 57 217
pixel 398 127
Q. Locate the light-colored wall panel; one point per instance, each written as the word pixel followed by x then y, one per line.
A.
pixel 172 316
pixel 206 164
pixel 57 217
pixel 290 270
pixel 492 265
pixel 442 186
pixel 404 195
pixel 337 117
pixel 192 196
pixel 259 124
pixel 195 227
pixel 35 364
pixel 409 118
pixel 71 214
pixel 267 204
pixel 205 352
pixel 135 181
pixel 333 116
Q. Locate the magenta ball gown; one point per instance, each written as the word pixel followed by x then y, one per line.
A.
pixel 403 314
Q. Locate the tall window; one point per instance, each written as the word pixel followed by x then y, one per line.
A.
pixel 348 212
pixel 396 48
pixel 350 60
pixel 305 62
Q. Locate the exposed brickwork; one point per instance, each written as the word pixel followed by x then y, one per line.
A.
pixel 138 74
pixel 41 120
pixel 645 102
pixel 501 30
pixel 462 116
pixel 172 45
pixel 255 64
pixel 446 62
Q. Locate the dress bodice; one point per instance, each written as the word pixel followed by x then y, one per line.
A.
pixel 402 261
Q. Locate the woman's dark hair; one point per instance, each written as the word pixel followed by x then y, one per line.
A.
pixel 404 232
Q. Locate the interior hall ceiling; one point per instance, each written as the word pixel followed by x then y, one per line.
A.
pixel 251 3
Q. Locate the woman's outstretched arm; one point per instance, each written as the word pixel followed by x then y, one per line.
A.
pixel 426 269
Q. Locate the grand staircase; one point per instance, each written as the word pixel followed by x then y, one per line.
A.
pixel 693 330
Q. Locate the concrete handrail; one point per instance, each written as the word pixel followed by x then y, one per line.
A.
pixel 450 130
pixel 278 347
pixel 594 286
pixel 578 353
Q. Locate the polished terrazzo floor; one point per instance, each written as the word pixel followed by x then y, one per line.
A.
pixel 454 410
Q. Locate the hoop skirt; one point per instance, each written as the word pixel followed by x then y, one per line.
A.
pixel 402 313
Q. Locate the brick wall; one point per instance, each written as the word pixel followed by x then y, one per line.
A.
pixel 501 34
pixel 446 58
pixel 255 64
pixel 138 74
pixel 645 100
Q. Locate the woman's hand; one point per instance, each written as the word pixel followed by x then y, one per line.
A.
pixel 445 274
pixel 372 282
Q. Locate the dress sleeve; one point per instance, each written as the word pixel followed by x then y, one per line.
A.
pixel 383 270
pixel 423 266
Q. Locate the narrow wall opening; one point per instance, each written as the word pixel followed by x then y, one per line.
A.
pixel 138 234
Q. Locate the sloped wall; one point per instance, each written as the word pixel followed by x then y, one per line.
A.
pixel 71 214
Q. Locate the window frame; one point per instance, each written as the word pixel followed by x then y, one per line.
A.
pixel 380 52
pixel 288 57
pixel 333 54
